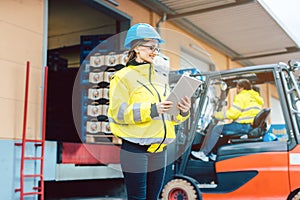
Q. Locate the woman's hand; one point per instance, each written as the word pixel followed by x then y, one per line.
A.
pixel 184 105
pixel 164 106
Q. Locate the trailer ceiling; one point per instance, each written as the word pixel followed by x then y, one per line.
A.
pixel 245 30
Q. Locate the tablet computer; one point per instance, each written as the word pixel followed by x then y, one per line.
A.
pixel 186 86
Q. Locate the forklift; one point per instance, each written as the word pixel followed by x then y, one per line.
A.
pixel 247 166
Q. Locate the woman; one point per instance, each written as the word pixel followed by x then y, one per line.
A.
pixel 137 114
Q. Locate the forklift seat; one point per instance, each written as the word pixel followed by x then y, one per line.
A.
pixel 259 127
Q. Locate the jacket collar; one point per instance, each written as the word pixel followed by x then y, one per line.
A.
pixel 143 69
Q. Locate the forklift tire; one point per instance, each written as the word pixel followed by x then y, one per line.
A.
pixel 179 189
pixel 297 196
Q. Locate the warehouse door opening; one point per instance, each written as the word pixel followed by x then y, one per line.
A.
pixel 74 28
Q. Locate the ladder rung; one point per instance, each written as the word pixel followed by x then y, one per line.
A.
pixel 33 140
pixel 33 158
pixel 39 142
pixel 32 175
pixel 36 188
pixel 18 190
pixel 32 193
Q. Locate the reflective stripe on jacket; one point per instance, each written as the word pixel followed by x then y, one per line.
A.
pixel 246 105
pixel 132 91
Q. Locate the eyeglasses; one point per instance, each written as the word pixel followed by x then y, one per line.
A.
pixel 152 48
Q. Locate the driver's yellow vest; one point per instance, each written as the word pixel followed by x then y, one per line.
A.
pixel 246 105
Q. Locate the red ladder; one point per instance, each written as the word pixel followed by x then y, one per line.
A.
pixel 36 190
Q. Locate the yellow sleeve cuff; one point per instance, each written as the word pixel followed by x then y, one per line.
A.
pixel 219 115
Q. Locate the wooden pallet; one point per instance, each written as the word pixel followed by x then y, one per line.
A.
pixel 102 139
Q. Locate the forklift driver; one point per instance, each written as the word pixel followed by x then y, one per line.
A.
pixel 246 105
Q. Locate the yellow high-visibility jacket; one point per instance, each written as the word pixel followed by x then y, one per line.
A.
pixel 133 90
pixel 246 105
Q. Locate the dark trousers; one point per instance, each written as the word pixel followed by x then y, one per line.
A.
pixel 143 172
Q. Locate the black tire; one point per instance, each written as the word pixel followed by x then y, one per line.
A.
pixel 296 196
pixel 179 189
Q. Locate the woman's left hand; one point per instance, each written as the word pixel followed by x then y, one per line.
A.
pixel 184 105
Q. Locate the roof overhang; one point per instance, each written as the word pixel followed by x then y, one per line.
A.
pixel 245 30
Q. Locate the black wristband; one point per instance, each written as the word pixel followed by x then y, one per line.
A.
pixel 153 111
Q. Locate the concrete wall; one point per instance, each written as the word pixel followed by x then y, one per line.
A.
pixel 21 25
pixel 10 167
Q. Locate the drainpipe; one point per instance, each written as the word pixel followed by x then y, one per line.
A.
pixel 162 19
